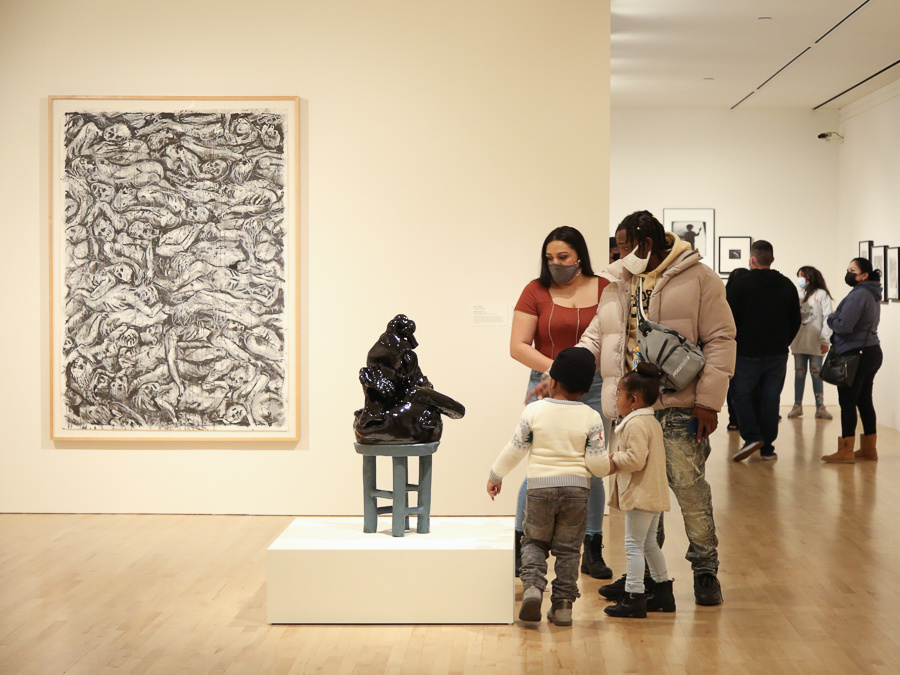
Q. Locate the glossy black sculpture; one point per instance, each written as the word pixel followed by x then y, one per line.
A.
pixel 401 405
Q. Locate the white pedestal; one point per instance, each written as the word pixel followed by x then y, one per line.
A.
pixel 327 570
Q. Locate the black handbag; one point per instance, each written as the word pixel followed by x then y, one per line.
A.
pixel 840 369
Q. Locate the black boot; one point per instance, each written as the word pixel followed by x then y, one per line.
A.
pixel 707 590
pixel 660 598
pixel 519 536
pixel 598 568
pixel 614 591
pixel 629 606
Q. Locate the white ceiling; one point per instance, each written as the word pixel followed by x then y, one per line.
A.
pixel 722 54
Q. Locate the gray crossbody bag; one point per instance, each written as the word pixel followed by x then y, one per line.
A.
pixel 679 359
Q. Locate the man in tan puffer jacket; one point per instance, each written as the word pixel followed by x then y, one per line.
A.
pixel 685 295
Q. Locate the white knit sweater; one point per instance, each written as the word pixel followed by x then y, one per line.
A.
pixel 563 441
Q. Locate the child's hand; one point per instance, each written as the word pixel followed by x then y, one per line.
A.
pixel 493 489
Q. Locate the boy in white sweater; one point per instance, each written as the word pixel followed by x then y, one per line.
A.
pixel 562 439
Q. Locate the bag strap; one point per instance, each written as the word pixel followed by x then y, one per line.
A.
pixel 639 299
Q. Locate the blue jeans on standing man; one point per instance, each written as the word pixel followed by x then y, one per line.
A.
pixel 765 373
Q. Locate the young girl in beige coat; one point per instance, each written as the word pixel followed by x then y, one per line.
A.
pixel 641 490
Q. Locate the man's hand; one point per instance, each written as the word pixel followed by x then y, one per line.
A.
pixel 707 421
pixel 493 489
pixel 824 349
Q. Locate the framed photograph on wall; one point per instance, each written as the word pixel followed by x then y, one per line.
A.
pixel 174 253
pixel 865 249
pixel 695 226
pixel 891 282
pixel 879 262
pixel 734 252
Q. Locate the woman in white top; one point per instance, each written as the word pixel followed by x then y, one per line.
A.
pixel 811 344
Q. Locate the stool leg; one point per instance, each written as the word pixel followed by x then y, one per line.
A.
pixel 370 503
pixel 398 510
pixel 423 522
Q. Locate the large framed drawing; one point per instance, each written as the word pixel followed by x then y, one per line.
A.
pixel 174 268
pixel 734 252
pixel 891 282
pixel 695 226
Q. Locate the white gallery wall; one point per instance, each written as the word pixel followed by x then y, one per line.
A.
pixel 869 204
pixel 440 143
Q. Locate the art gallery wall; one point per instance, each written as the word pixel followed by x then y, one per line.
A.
pixel 765 173
pixel 869 204
pixel 440 143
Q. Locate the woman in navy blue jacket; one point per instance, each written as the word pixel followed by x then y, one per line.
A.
pixel 855 328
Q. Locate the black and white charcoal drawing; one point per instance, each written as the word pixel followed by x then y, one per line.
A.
pixel 173 270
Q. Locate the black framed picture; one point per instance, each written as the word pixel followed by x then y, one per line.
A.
pixel 865 249
pixel 734 252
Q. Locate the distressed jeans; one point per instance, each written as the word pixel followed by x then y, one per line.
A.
pixel 813 364
pixel 686 471
pixel 555 520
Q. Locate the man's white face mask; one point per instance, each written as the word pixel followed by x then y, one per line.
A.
pixel 634 264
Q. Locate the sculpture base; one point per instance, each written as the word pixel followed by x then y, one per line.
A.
pixel 325 570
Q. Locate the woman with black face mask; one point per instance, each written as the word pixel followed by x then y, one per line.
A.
pixel 855 328
pixel 551 314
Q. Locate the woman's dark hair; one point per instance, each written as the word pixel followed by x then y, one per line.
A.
pixel 641 225
pixel 814 281
pixel 644 380
pixel 865 267
pixel 736 273
pixel 572 237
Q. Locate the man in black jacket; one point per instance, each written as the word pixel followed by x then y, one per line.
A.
pixel 767 315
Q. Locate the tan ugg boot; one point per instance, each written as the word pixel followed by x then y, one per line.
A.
pixel 844 455
pixel 867 447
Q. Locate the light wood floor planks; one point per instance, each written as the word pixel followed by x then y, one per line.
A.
pixel 809 552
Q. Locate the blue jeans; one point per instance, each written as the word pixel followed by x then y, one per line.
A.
pixel 813 363
pixel 598 490
pixel 554 523
pixel 686 471
pixel 640 543
pixel 765 373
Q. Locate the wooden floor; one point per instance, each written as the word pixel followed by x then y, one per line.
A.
pixel 810 568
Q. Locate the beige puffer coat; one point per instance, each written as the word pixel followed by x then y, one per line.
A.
pixel 689 298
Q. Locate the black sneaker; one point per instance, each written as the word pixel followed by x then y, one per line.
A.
pixel 767 454
pixel 707 590
pixel 746 450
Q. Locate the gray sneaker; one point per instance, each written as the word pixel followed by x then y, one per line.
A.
pixel 531 604
pixel 561 613
pixel 822 414
pixel 796 411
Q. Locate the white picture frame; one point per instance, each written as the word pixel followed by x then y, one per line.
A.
pixel 697 227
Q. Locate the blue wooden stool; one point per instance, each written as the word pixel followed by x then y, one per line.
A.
pixel 400 510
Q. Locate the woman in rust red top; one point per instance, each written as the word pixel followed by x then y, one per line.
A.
pixel 552 313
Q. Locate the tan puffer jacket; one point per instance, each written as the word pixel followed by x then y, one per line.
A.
pixel 689 298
